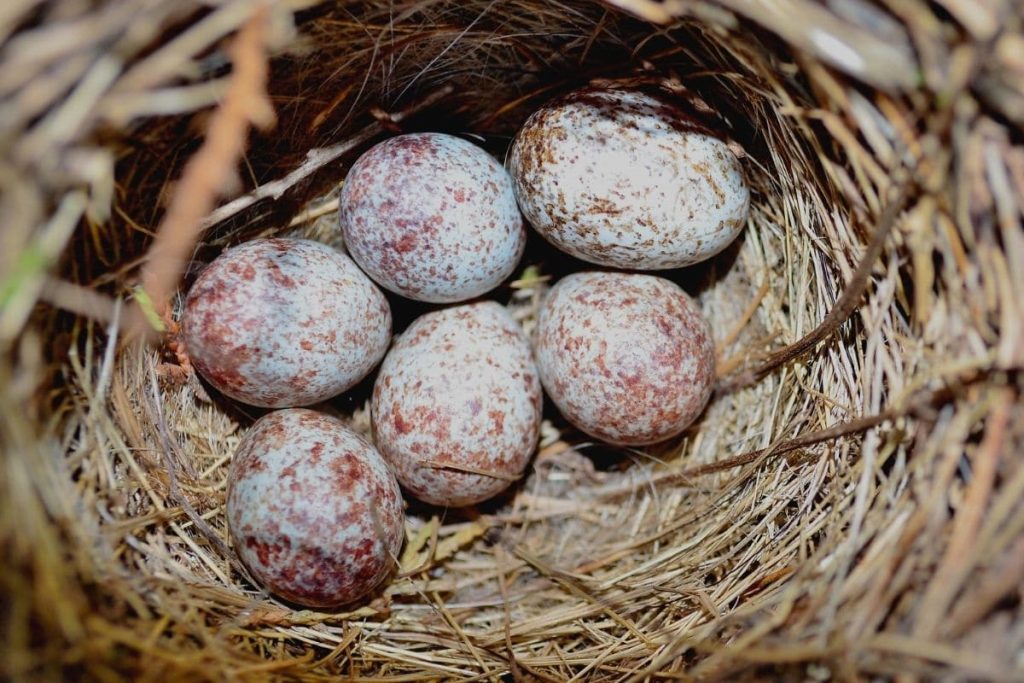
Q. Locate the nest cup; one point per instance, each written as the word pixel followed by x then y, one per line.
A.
pixel 849 505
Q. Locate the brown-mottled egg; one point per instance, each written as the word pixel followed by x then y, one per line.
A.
pixel 432 217
pixel 627 358
pixel 457 405
pixel 284 322
pixel 314 511
pixel 625 179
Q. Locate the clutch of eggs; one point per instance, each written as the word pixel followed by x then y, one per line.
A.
pixel 614 177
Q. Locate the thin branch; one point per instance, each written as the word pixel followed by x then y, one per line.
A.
pixel 79 300
pixel 317 159
pixel 212 168
pixel 840 312
pixel 960 557
pixel 828 434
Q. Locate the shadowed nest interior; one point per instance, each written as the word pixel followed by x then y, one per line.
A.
pixel 850 504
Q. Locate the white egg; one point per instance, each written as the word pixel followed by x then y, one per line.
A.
pixel 624 179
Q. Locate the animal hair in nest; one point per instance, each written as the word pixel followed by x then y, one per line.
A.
pixel 849 505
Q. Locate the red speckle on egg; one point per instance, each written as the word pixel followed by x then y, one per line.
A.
pixel 498 418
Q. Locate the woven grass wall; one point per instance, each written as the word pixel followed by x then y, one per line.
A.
pixel 851 504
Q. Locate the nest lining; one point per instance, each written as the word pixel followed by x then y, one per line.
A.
pixel 804 523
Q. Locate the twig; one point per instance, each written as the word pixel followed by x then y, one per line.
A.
pixel 840 312
pixel 500 560
pixel 467 469
pixel 317 159
pixel 209 171
pixel 846 428
pixel 959 558
pixel 991 587
pixel 79 300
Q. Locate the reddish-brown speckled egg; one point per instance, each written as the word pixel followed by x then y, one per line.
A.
pixel 432 217
pixel 627 358
pixel 624 179
pixel 457 405
pixel 314 511
pixel 284 322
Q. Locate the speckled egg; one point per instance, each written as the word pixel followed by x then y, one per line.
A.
pixel 432 217
pixel 627 358
pixel 457 405
pixel 284 322
pixel 313 510
pixel 624 179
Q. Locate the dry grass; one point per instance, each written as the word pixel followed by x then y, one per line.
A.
pixel 850 505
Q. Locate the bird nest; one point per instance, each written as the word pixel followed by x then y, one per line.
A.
pixel 850 504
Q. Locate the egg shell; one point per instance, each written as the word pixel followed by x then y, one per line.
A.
pixel 284 322
pixel 624 179
pixel 627 358
pixel 313 510
pixel 458 395
pixel 432 217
